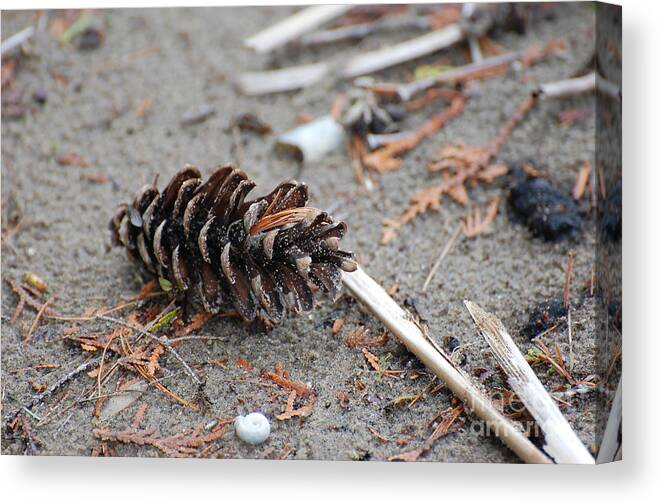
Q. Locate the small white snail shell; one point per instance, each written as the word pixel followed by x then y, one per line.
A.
pixel 253 428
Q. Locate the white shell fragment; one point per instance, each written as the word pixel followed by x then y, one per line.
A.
pixel 253 428
pixel 312 141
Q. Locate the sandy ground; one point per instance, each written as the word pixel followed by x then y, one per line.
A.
pixel 91 110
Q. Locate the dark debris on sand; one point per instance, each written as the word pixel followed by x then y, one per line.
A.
pixel 548 213
pixel 544 316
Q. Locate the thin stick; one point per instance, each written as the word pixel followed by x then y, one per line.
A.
pixel 570 267
pixel 386 57
pixel 106 312
pixel 459 74
pixel 571 342
pixel 297 77
pixel 294 26
pixel 285 79
pixel 608 88
pixel 442 255
pixel 375 298
pixel 66 378
pixel 562 443
pixel 40 313
pixel 16 40
pixel 569 87
pixel 565 301
pixel 158 339
pixel 362 30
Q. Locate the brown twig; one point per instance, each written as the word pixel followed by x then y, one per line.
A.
pixel 36 320
pixel 582 180
pixel 385 159
pixel 449 417
pixel 158 339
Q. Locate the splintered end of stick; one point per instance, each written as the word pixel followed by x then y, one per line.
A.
pixel 485 321
pixel 562 443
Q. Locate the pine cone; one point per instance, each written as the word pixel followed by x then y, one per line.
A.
pixel 264 257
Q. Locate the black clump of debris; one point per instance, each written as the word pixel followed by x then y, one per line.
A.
pixel 90 39
pixel 547 212
pixel 543 316
pixel 610 222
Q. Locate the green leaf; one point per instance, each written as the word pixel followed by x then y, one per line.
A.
pixel 81 24
pixel 166 285
pixel 429 71
pixel 535 352
pixel 165 320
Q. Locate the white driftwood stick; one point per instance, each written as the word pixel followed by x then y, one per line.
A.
pixel 360 31
pixel 569 87
pixel 386 57
pixel 610 446
pixel 289 79
pixel 16 40
pixel 407 91
pixel 294 26
pixel 375 298
pixel 608 88
pixel 286 79
pixel 562 443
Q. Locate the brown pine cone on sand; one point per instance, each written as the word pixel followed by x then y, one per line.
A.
pixel 264 257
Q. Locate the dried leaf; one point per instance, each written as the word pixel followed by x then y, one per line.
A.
pixel 466 164
pixel 302 411
pixel 242 363
pixel 448 419
pixel 378 436
pixel 198 321
pixel 250 122
pixel 281 378
pixel 142 109
pixel 97 178
pixel 531 171
pixel 72 159
pixel 153 364
pixel 190 443
pixel 33 280
pixel 582 181
pixel 372 359
pixel 139 416
pixel 386 159
pixel 37 387
pixel 473 225
pixel 357 338
pixel 337 326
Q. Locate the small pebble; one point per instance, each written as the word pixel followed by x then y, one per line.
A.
pixel 90 39
pixel 40 96
pixel 253 428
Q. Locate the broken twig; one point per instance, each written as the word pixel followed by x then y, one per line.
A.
pixel 562 443
pixel 294 26
pixel 297 77
pixel 400 324
pixel 441 256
